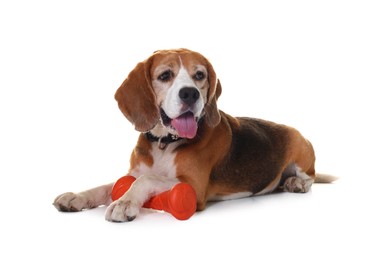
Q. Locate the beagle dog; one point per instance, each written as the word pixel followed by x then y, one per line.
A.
pixel 171 98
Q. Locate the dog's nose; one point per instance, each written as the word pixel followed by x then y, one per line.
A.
pixel 189 95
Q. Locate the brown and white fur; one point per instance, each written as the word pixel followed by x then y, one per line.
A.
pixel 221 156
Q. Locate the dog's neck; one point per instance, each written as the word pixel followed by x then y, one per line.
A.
pixel 162 136
pixel 163 141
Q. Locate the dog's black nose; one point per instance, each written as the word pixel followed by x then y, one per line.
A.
pixel 189 95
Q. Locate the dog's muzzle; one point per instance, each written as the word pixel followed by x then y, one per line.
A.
pixel 186 125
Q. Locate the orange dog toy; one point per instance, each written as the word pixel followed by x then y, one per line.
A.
pixel 180 201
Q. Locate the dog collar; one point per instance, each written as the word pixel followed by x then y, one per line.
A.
pixel 162 141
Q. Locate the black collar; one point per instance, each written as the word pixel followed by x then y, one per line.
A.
pixel 162 141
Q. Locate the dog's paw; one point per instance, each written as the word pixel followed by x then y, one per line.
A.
pixel 297 185
pixel 71 202
pixel 122 211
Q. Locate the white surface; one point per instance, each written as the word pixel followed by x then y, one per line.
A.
pixel 320 67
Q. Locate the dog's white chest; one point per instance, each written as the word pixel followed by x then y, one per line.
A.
pixel 163 163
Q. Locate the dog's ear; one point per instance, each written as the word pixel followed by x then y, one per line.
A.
pixel 212 114
pixel 136 98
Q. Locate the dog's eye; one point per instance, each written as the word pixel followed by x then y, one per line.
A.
pixel 199 75
pixel 165 76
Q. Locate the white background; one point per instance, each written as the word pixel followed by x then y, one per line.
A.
pixel 318 66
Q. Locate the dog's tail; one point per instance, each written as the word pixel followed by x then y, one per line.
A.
pixel 325 178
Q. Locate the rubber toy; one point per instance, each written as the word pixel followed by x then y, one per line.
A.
pixel 180 201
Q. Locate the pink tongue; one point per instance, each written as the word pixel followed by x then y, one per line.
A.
pixel 185 125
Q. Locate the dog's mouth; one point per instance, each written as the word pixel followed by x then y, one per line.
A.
pixel 185 125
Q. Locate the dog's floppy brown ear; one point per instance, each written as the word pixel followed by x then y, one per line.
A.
pixel 137 100
pixel 211 109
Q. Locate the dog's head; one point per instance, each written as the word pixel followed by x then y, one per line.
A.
pixel 170 92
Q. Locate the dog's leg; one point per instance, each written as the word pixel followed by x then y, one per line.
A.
pixel 300 183
pixel 128 206
pixel 296 180
pixel 297 184
pixel 299 175
pixel 73 202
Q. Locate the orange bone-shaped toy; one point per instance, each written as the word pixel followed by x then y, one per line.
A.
pixel 180 201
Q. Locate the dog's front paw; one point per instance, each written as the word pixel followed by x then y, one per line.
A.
pixel 71 202
pixel 122 211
